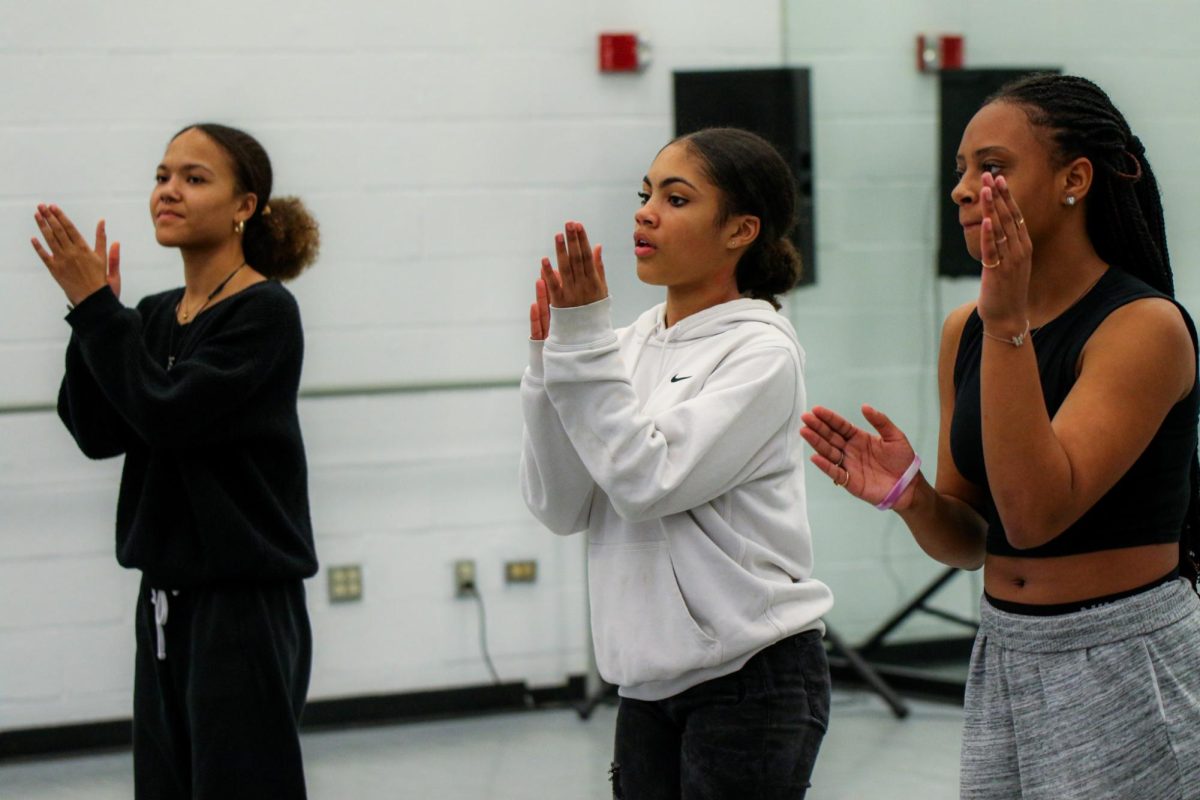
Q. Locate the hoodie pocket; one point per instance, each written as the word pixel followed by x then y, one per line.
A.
pixel 642 628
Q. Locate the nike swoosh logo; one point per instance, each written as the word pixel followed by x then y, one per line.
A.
pixel 677 379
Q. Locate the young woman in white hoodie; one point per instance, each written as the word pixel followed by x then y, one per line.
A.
pixel 671 442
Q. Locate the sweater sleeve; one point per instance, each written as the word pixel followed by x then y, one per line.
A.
pixel 95 425
pixel 555 483
pixel 679 458
pixel 208 397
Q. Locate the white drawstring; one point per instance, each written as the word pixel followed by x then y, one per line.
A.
pixel 159 598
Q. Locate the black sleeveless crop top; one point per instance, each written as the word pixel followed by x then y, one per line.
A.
pixel 1148 503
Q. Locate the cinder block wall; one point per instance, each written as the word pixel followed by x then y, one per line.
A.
pixel 440 146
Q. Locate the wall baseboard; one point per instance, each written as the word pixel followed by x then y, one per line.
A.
pixel 318 714
pixel 901 665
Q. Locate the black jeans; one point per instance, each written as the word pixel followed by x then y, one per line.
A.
pixel 752 734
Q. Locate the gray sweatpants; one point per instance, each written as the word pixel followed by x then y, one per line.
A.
pixel 1099 703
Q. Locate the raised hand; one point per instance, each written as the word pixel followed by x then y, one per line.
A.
pixel 866 465
pixel 1007 256
pixel 539 312
pixel 579 279
pixel 77 267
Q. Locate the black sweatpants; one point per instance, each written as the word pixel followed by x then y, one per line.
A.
pixel 218 717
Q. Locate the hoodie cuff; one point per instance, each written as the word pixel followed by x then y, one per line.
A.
pixel 581 325
pixel 535 370
pixel 93 311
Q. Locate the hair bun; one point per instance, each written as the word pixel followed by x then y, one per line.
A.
pixel 283 239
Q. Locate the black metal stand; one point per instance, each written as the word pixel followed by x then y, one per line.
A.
pixel 603 694
pixel 866 672
pixel 917 604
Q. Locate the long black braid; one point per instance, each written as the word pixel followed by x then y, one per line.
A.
pixel 1124 209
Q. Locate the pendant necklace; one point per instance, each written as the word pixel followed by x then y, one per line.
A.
pixel 182 312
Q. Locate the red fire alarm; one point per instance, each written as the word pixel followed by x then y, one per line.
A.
pixel 621 52
pixel 939 52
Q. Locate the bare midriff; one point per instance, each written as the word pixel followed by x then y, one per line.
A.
pixel 1068 579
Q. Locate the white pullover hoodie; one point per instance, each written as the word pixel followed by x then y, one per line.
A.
pixel 677 450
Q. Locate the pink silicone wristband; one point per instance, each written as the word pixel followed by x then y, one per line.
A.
pixel 902 484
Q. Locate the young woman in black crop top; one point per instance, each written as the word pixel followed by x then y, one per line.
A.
pixel 197 389
pixel 1067 459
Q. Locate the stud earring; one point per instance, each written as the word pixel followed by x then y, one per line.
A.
pixel 1070 199
pixel 239 226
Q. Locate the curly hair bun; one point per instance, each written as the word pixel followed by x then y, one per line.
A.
pixel 282 243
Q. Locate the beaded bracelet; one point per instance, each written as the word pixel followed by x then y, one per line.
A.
pixel 890 500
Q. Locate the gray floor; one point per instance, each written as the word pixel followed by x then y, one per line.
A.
pixel 545 754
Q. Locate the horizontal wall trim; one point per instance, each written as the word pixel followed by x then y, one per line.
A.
pixel 325 392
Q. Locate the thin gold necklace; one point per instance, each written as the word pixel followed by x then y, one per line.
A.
pixel 181 309
pixel 172 356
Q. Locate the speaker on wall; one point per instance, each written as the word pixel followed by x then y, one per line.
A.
pixel 961 93
pixel 775 104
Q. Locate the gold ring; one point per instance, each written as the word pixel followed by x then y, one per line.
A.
pixel 1020 220
pixel 1002 241
pixel 841 485
pixel 986 265
pixel 841 460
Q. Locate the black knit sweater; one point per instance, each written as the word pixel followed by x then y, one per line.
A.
pixel 215 484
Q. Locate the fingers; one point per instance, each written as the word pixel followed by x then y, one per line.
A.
pixel 1019 231
pixel 553 284
pixel 598 261
pixel 114 268
pixel 535 323
pixel 822 446
pixel 566 272
pixel 989 252
pixel 587 259
pixel 579 258
pixel 65 228
pixel 41 251
pixel 42 218
pixel 835 422
pixel 101 247
pixel 882 424
pixel 543 306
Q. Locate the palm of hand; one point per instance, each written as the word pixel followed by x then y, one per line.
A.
pixel 866 465
pixel 875 464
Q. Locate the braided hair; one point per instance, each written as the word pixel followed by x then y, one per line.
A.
pixel 1124 209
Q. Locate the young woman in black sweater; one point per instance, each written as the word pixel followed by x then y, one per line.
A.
pixel 197 388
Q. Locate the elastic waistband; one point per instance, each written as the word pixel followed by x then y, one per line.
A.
pixel 1115 621
pixel 1048 610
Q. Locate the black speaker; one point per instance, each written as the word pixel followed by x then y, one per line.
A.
pixel 775 104
pixel 961 93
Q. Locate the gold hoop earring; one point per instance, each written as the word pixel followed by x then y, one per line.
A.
pixel 239 227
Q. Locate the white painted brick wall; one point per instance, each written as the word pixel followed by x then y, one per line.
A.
pixel 440 147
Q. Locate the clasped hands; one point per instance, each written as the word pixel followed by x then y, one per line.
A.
pixel 578 281
pixel 79 268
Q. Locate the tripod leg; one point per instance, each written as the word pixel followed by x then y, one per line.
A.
pixel 876 639
pixel 867 673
